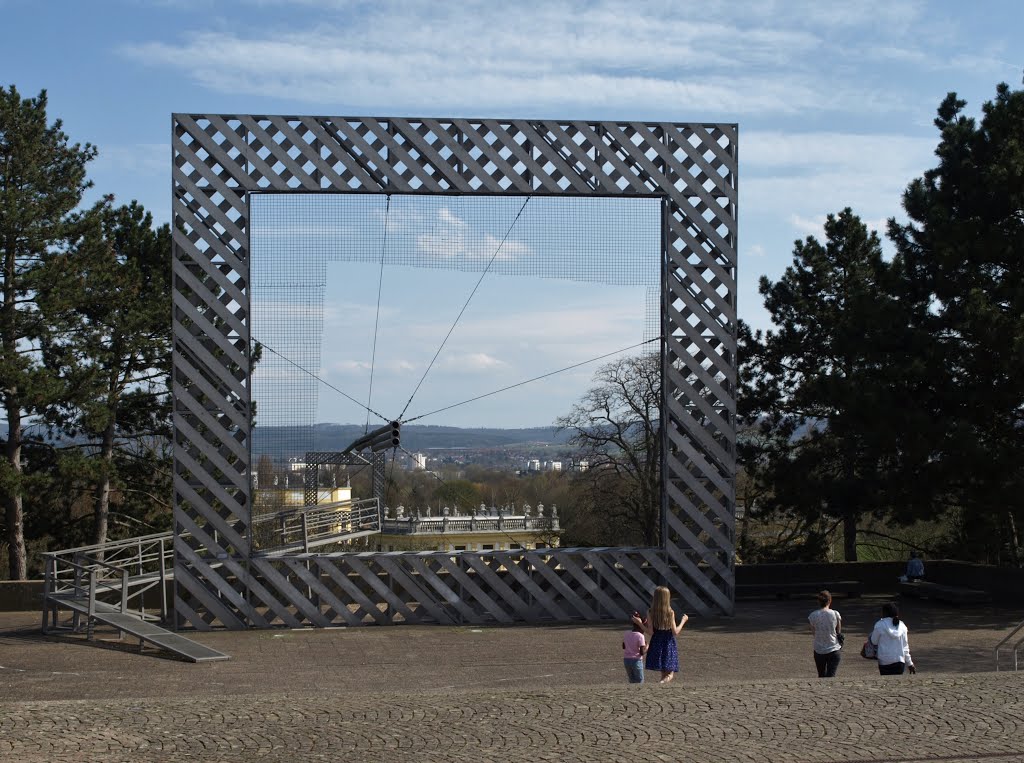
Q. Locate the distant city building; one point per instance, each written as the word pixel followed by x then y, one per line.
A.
pixel 296 465
pixel 420 461
pixel 555 466
pixel 582 466
pixel 533 465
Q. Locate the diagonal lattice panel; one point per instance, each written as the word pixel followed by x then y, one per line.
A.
pixel 219 161
pixel 556 585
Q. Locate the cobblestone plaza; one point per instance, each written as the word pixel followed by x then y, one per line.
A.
pixel 746 692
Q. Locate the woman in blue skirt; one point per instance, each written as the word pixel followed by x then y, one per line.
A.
pixel 661 630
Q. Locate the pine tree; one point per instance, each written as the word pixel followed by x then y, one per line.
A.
pixel 825 385
pixel 963 257
pixel 113 354
pixel 42 180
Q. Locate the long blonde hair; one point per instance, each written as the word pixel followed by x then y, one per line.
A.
pixel 662 616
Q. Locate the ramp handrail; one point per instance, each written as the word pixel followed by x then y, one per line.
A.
pixel 133 566
pixel 136 564
pixel 1016 646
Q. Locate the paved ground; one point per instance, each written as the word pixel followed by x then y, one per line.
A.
pixel 746 693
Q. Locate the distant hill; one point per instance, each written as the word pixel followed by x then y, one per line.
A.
pixel 415 437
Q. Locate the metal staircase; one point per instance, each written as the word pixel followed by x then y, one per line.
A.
pixel 108 583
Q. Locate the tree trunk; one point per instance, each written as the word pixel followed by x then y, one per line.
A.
pixel 1014 540
pixel 15 515
pixel 101 506
pixel 850 537
pixel 14 510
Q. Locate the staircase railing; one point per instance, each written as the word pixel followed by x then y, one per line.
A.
pixel 124 569
pixel 1005 643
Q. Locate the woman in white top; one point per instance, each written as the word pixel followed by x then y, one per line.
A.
pixel 890 636
pixel 826 625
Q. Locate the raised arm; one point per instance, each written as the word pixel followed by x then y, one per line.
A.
pixel 679 626
pixel 645 624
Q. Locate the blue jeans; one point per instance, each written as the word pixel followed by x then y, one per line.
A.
pixel 635 670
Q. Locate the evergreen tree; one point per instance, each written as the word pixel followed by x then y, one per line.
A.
pixel 963 258
pixel 113 355
pixel 42 179
pixel 826 387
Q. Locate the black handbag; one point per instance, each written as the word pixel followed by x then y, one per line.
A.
pixel 841 638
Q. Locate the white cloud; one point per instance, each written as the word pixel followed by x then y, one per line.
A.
pixel 815 226
pixel 400 218
pixel 798 178
pixel 808 226
pixel 477 248
pixel 573 55
pixel 452 238
pixel 474 362
pixel 822 151
pixel 887 14
pixel 396 365
pixel 447 217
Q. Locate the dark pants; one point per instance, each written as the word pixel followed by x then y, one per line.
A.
pixel 893 669
pixel 827 664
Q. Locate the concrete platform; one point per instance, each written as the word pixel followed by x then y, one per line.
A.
pixel 747 691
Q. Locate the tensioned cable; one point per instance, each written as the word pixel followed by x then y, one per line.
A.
pixel 376 320
pixel 382 417
pixel 459 316
pixel 322 381
pixel 535 378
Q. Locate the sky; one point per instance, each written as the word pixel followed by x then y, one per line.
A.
pixel 834 101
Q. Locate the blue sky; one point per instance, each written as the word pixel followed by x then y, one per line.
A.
pixel 835 103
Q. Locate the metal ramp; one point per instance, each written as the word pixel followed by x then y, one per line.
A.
pixel 108 583
pixel 143 629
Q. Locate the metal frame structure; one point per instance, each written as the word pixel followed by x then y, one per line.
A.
pixel 220 160
pixel 315 459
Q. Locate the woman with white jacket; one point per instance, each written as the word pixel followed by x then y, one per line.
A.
pixel 890 636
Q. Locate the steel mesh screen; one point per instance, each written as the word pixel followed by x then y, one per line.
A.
pixel 297 238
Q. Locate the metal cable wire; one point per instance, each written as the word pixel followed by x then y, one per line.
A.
pixel 472 399
pixel 535 378
pixel 468 299
pixel 322 381
pixel 376 320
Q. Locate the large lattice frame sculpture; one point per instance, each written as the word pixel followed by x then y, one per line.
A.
pixel 218 161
